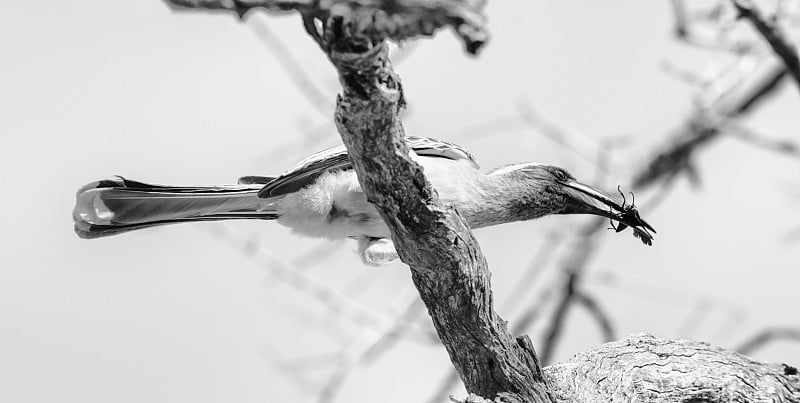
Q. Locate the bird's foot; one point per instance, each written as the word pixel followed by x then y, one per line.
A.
pixel 376 251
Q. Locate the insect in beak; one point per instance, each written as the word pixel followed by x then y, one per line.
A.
pixel 597 202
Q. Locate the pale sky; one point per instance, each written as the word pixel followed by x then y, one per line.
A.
pixel 100 88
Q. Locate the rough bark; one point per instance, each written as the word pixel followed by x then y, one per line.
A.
pixel 446 262
pixel 647 369
pixel 380 19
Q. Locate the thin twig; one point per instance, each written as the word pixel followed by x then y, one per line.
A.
pixel 285 272
pixel 713 37
pixel 297 73
pixel 558 133
pixel 767 336
pixel 740 132
pixel 298 377
pixel 540 259
pixel 369 346
pixel 695 318
pixel 598 313
pixel 317 254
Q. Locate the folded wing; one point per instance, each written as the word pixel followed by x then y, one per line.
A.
pixel 308 170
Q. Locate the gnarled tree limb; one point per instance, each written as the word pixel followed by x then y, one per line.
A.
pixel 446 262
pixel 397 20
pixel 644 368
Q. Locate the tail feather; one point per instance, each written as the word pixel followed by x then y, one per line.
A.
pixel 114 206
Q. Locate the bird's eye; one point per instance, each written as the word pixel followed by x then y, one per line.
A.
pixel 561 175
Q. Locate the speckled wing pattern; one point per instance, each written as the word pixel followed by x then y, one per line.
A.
pixel 306 171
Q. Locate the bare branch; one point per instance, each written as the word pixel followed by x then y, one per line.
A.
pixel 558 133
pixel 573 268
pixel 520 324
pixel 696 317
pixel 598 313
pixel 644 368
pixel 738 98
pixel 298 378
pixel 397 20
pixel 681 18
pixel 771 32
pixel 317 254
pixel 708 30
pixel 535 268
pixel 434 241
pixel 369 344
pixel 290 275
pixel 315 96
pixel 739 131
pixel 764 337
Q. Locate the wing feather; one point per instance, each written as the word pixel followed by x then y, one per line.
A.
pixel 306 171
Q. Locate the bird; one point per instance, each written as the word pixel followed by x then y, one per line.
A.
pixel 321 197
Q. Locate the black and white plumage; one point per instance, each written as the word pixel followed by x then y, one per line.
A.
pixel 321 197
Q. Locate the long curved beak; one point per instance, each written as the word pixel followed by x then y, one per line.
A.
pixel 593 201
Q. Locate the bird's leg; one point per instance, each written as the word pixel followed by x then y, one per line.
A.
pixel 376 251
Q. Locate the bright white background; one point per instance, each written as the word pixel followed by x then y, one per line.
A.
pixel 97 88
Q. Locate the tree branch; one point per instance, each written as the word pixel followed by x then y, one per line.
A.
pixel 397 20
pixel 644 368
pixel 771 32
pixel 767 336
pixel 446 263
pixel 598 313
pixel 735 98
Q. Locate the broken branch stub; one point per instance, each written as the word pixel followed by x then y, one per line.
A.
pixel 396 20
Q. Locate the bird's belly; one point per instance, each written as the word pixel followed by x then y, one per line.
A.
pixel 333 207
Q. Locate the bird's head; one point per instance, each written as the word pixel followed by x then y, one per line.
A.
pixel 552 190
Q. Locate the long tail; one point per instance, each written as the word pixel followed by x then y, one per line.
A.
pixel 113 206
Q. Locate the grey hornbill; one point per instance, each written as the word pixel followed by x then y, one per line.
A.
pixel 321 197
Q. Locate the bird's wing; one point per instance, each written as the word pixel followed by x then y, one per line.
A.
pixel 306 171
